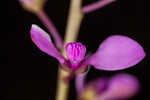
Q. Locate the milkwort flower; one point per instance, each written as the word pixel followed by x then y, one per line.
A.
pixel 115 53
pixel 119 87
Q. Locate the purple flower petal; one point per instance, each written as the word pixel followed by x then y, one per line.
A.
pixel 100 85
pixel 117 52
pixel 121 86
pixel 44 43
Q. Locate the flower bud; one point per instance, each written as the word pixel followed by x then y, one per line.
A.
pixel 34 6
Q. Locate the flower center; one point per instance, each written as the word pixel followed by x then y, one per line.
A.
pixel 75 52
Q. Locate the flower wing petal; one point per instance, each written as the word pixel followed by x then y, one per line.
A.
pixel 117 52
pixel 43 41
pixel 121 86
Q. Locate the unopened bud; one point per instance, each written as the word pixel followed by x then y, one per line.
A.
pixel 34 6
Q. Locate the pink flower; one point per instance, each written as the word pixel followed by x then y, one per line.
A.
pixel 120 86
pixel 115 53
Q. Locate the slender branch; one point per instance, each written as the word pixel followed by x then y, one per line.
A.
pixel 73 25
pixel 97 5
pixel 51 27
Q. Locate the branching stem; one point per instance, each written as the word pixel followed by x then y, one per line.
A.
pixel 72 30
pixel 97 5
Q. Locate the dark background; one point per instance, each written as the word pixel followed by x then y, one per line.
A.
pixel 30 74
